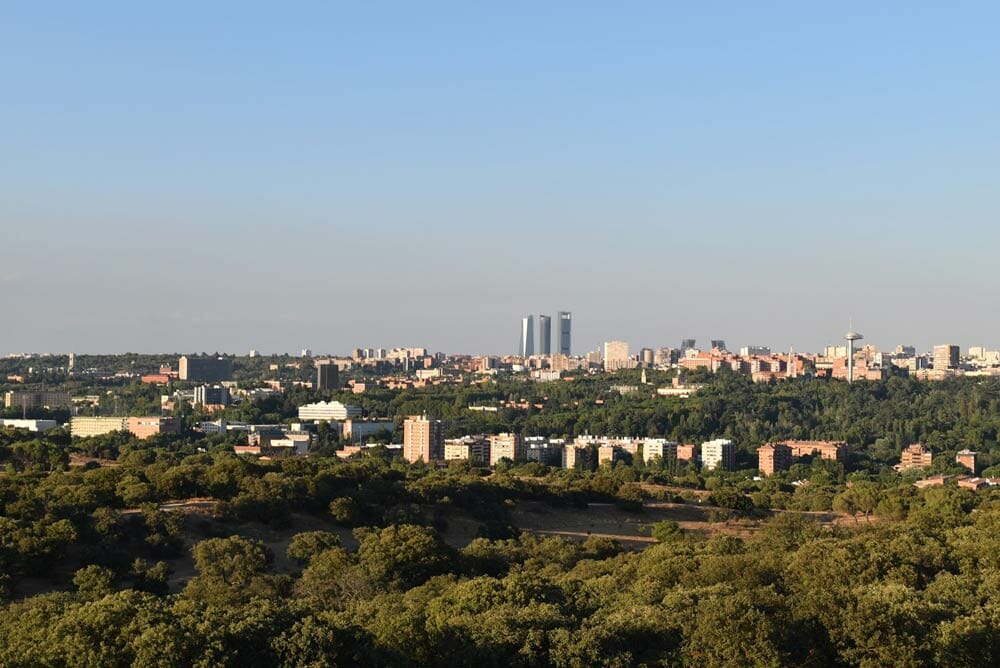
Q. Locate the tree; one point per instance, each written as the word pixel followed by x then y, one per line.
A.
pixel 402 555
pixel 233 560
pixel 665 530
pixel 305 546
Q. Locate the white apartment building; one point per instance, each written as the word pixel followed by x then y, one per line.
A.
pixel 658 447
pixel 718 454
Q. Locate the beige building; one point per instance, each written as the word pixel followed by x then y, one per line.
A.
pixel 423 439
pixel 616 356
pixel 967 458
pixel 144 427
pixel 656 447
pixel 83 427
pixel 915 456
pixel 946 357
pixel 509 446
pixel 468 448
pixel 574 457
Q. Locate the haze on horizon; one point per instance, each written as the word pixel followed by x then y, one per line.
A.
pixel 226 176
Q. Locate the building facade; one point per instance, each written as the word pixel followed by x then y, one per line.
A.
pixel 915 456
pixel 658 447
pixel 774 457
pixel 329 410
pixel 506 446
pixel 527 345
pixel 718 454
pixel 565 325
pixel 146 426
pixel 205 369
pixel 211 395
pixel 423 439
pixel 544 335
pixel 327 376
pixel 82 427
pixel 946 357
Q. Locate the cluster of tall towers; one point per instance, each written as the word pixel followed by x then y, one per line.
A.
pixel 564 321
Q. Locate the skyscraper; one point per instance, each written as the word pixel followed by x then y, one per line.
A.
pixel 687 344
pixel 527 336
pixel 565 321
pixel 544 335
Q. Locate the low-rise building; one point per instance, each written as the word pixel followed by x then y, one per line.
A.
pixel 688 452
pixel 146 426
pixel 30 425
pixel 86 426
pixel 967 458
pixel 831 450
pixel 355 430
pixel 915 456
pixel 27 399
pixel 468 448
pixel 329 410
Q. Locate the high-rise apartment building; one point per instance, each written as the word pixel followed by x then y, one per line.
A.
pixel 945 357
pixel 719 454
pixel 423 439
pixel 565 322
pixel 544 335
pixel 205 369
pixel 327 375
pixel 527 347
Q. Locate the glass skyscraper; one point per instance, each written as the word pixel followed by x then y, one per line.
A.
pixel 565 321
pixel 544 335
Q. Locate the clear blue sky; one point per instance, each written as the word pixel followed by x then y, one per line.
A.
pixel 223 176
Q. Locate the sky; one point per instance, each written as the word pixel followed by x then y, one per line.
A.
pixel 191 176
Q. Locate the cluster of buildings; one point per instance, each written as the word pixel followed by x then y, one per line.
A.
pixel 773 457
pixel 140 427
pixel 424 441
pixel 564 322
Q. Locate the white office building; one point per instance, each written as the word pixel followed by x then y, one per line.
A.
pixel 329 410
